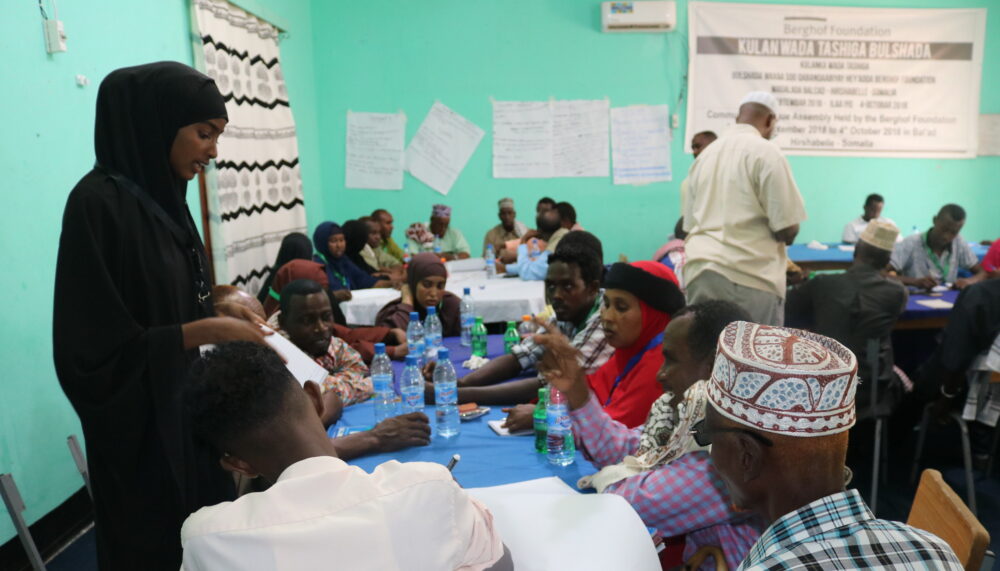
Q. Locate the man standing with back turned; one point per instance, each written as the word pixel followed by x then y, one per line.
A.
pixel 741 207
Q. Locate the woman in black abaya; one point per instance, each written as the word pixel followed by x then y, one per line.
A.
pixel 132 306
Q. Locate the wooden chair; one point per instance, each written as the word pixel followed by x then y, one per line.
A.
pixel 938 509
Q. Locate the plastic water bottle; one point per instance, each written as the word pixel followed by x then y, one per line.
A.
pixel 415 337
pixel 541 421
pixel 468 309
pixel 437 246
pixel 446 395
pixel 406 254
pixel 527 327
pixel 510 337
pixel 385 396
pixel 479 338
pixel 432 334
pixel 562 450
pixel 491 263
pixel 411 385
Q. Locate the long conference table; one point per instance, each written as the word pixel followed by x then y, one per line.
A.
pixel 487 459
pixel 839 256
pixel 496 300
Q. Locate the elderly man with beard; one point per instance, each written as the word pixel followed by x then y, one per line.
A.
pixel 781 402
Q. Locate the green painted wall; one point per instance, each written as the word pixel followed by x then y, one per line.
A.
pixel 46 147
pixel 384 55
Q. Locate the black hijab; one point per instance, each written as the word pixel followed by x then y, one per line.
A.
pixel 356 236
pixel 131 271
pixel 139 111
pixel 294 246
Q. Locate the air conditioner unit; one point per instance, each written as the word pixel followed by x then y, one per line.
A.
pixel 638 16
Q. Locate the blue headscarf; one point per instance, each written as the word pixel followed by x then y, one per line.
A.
pixel 342 272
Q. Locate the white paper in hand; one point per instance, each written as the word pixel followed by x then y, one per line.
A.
pixel 302 366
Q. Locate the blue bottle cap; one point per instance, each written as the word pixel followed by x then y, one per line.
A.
pixel 379 348
pixel 432 310
pixel 411 360
pixel 443 353
pixel 414 316
pixel 468 291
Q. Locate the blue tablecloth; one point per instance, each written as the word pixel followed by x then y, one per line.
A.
pixel 487 459
pixel 799 253
pixel 915 310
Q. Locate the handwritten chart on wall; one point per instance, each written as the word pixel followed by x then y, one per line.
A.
pixel 543 139
pixel 522 139
pixel 849 81
pixel 375 144
pixel 640 144
pixel 441 148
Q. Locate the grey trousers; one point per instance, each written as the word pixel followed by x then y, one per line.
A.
pixel 763 306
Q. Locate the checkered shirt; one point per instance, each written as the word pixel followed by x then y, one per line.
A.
pixel 594 348
pixel 684 497
pixel 840 532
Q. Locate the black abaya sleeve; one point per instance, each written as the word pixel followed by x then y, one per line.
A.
pixel 123 288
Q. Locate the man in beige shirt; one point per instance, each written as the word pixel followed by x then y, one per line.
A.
pixel 741 207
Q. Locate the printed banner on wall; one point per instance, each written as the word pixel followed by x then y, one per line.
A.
pixel 849 81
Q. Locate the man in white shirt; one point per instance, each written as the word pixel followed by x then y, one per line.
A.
pixel 741 207
pixel 872 211
pixel 319 512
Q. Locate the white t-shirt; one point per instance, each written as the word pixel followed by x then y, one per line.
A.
pixel 854 228
pixel 324 514
pixel 739 192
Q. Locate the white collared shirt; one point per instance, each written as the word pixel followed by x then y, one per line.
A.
pixel 739 192
pixel 323 513
pixel 854 229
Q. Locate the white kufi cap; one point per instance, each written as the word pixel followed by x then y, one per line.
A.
pixel 764 98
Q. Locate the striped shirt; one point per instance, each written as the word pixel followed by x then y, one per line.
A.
pixel 589 340
pixel 840 532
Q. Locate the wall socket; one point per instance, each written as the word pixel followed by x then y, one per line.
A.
pixel 55 36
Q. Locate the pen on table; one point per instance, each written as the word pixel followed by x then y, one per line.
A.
pixel 454 460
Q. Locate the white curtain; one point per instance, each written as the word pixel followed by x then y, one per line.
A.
pixel 255 192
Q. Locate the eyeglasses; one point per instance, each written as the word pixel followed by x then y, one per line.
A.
pixel 703 436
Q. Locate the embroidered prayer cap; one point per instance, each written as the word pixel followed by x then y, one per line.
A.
pixel 880 234
pixel 506 203
pixel 784 381
pixel 764 98
pixel 440 211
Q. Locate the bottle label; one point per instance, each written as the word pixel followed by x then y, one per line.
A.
pixel 558 419
pixel 414 399
pixel 445 393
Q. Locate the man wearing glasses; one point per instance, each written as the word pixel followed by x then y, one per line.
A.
pixel 781 402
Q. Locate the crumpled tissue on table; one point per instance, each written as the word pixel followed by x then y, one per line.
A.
pixel 475 362
pixel 817 245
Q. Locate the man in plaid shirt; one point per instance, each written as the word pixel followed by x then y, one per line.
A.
pixel 572 287
pixel 781 403
pixel 680 494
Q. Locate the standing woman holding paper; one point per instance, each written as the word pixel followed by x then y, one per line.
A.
pixel 132 306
